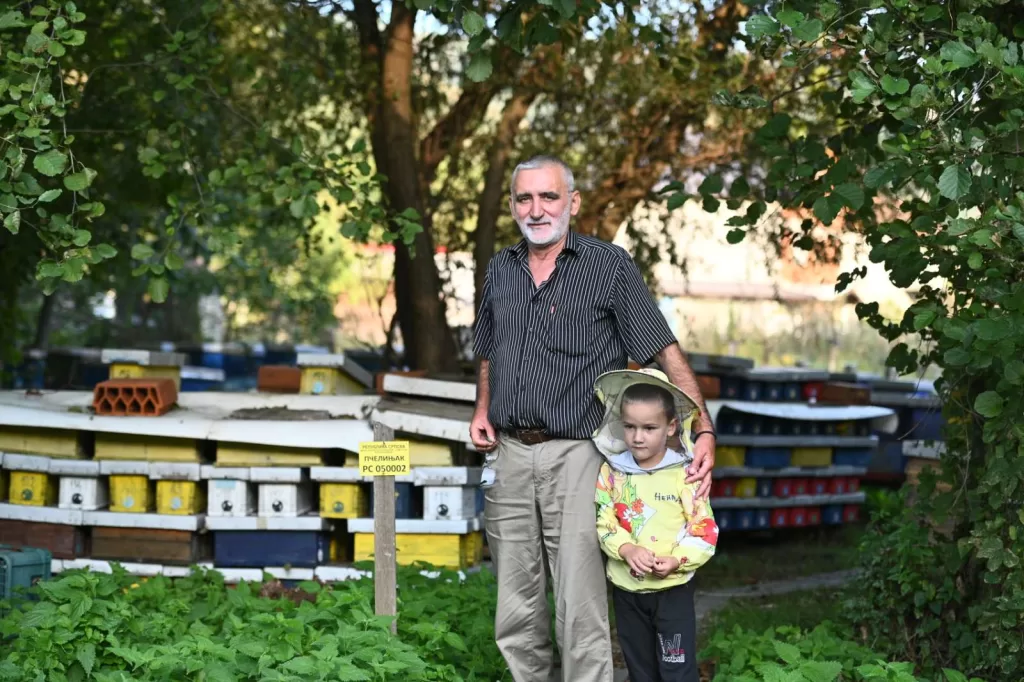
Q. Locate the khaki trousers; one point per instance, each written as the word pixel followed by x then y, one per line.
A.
pixel 541 520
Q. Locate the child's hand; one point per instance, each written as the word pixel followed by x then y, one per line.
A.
pixel 665 565
pixel 639 559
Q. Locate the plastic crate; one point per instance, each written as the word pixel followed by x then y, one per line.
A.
pixel 768 458
pixel 22 568
pixel 852 457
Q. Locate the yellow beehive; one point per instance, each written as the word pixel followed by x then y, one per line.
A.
pixel 48 442
pixel 4 485
pixel 129 493
pixel 451 551
pixel 126 371
pixel 730 456
pixel 811 457
pixel 120 446
pixel 179 497
pixel 246 455
pixel 33 488
pixel 746 487
pixel 343 501
pixel 473 548
pixel 339 550
pixel 328 381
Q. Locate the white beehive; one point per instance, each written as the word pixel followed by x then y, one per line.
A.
pixel 230 497
pixel 285 499
pixel 87 494
pixel 449 502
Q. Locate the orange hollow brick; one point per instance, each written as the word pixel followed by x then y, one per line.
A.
pixel 279 379
pixel 149 397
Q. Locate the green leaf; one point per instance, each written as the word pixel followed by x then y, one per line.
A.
pixel 975 261
pixel 12 19
pixel 159 95
pixel 49 195
pixel 303 665
pixel 74 38
pixel 56 49
pixel 13 222
pixel 895 86
pixel 821 671
pixel 712 184
pixel 877 177
pixel 957 357
pixel 76 182
pixel 453 640
pixel 676 200
pixel 472 23
pixel 994 329
pixel 777 126
pixel 787 652
pixel 989 405
pixel 8 202
pixel 959 226
pixel 105 250
pixel 566 8
pixel 1015 372
pixel 142 252
pixel 960 55
pixel 924 319
pixel 861 87
pixel 158 289
pixel 86 655
pixel 790 17
pixel 851 194
pixel 735 235
pixel 761 25
pixel 50 163
pixel 81 238
pixel 174 262
pixel 825 210
pixel 808 31
pixel 1018 232
pixel 954 182
pixel 480 67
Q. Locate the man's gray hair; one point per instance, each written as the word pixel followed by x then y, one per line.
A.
pixel 543 161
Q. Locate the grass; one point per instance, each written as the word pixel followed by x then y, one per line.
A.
pixel 805 610
pixel 747 559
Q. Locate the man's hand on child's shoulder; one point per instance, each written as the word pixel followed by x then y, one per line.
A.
pixel 664 566
pixel 639 559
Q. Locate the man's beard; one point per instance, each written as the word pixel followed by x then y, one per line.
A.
pixel 558 228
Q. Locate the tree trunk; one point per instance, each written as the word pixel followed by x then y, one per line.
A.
pixel 491 199
pixel 421 313
pixel 42 338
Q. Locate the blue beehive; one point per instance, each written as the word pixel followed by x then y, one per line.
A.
pixel 406 506
pixel 762 518
pixel 725 518
pixel 768 458
pixel 852 457
pixel 745 519
pixel 832 514
pixel 22 568
pixel 261 548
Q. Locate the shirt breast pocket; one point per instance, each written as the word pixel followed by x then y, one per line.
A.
pixel 569 330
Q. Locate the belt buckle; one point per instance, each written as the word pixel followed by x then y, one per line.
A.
pixel 530 436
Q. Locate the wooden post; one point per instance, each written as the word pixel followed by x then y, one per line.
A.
pixel 385 572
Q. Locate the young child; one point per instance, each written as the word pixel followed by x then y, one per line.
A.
pixel 654 531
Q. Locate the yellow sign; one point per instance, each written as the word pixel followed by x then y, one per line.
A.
pixel 384 458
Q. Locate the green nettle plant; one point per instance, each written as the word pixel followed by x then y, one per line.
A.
pixel 920 149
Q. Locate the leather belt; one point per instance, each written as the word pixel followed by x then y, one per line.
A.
pixel 529 436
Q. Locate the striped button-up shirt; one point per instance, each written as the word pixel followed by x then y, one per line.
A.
pixel 546 345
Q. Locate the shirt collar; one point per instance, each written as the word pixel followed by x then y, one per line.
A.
pixel 572 246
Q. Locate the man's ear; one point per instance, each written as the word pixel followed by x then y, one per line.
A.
pixel 574 203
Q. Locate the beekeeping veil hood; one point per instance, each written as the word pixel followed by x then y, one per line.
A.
pixel 609 387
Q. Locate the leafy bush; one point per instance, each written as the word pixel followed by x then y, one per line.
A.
pixel 110 627
pixel 787 654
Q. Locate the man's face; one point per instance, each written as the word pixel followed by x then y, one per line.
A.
pixel 542 205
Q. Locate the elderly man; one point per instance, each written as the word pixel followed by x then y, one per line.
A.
pixel 557 310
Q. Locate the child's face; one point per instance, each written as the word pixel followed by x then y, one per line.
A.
pixel 647 429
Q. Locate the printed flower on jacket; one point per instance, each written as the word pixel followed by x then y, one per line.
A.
pixel 624 515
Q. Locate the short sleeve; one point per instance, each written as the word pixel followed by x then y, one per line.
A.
pixel 483 329
pixel 642 327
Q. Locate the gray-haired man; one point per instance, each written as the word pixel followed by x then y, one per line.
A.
pixel 558 309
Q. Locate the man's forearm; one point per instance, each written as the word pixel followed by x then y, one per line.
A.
pixel 483 387
pixel 674 363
